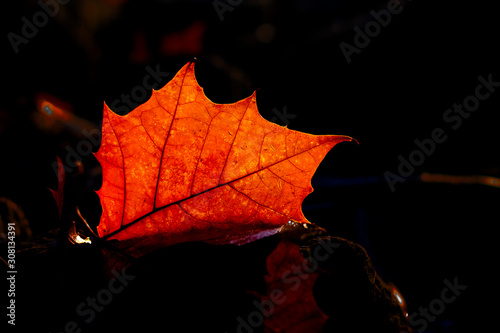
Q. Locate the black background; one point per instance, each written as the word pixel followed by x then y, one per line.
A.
pixel 394 91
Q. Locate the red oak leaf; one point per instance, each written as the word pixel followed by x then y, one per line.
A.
pixel 182 168
pixel 289 304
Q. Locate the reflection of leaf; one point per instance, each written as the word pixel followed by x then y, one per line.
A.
pixel 182 168
pixel 290 303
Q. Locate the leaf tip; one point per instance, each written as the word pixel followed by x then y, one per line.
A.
pixel 353 139
pixel 343 138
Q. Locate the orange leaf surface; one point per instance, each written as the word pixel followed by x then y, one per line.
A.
pixel 182 168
